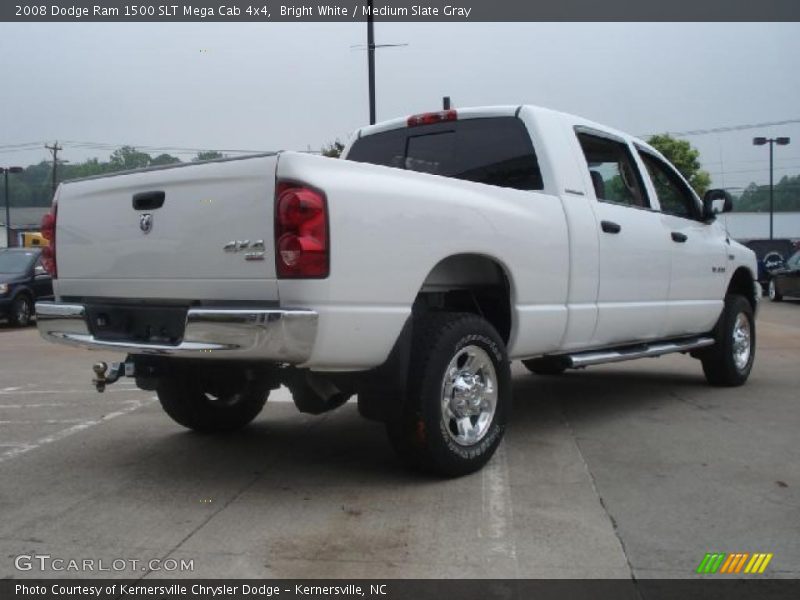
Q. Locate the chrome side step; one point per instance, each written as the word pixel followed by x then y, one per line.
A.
pixel 597 357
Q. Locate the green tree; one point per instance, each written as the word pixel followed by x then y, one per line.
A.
pixel 685 158
pixel 207 155
pixel 786 196
pixel 333 150
pixel 87 168
pixel 164 159
pixel 128 157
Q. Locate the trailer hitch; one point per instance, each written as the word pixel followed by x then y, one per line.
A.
pixel 103 375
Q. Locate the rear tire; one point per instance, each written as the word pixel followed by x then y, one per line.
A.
pixel 544 366
pixel 729 361
pixel 208 408
pixel 458 395
pixel 772 291
pixel 21 311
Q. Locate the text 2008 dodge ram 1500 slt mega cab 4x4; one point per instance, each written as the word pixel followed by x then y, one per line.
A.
pixel 410 273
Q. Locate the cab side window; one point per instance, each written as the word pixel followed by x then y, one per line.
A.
pixel 674 196
pixel 614 174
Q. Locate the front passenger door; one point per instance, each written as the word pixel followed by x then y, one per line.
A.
pixel 634 256
pixel 699 261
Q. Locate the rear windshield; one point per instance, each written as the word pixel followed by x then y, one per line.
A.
pixel 495 151
pixel 15 262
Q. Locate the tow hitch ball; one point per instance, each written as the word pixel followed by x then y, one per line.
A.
pixel 103 375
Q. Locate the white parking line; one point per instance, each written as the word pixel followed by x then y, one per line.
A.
pixel 497 509
pixel 83 425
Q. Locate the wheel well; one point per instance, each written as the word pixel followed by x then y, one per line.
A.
pixel 24 292
pixel 469 283
pixel 742 283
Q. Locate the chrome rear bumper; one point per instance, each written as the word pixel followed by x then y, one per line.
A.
pixel 220 333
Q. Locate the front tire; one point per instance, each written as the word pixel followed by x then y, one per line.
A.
pixel 729 361
pixel 21 311
pixel 209 407
pixel 458 395
pixel 772 291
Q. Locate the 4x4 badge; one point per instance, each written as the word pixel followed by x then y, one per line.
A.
pixel 146 222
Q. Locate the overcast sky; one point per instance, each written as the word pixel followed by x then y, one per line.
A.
pixel 300 85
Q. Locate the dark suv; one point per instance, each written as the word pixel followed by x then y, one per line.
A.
pixel 23 281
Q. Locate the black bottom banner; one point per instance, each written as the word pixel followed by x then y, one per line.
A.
pixel 420 589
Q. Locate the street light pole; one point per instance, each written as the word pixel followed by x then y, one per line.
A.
pixel 5 171
pixel 781 141
pixel 771 189
pixel 371 62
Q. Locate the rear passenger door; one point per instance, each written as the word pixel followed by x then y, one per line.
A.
pixel 698 251
pixel 634 255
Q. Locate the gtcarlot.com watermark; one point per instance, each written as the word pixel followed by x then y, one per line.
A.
pixel 47 562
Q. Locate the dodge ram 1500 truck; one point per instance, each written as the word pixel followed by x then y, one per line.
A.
pixel 409 274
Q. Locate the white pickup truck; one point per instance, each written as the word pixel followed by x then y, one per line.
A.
pixel 409 274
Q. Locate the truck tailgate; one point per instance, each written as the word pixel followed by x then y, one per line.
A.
pixel 115 237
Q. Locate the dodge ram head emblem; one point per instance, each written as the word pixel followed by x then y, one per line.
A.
pixel 146 222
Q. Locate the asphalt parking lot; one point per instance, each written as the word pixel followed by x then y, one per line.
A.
pixel 626 470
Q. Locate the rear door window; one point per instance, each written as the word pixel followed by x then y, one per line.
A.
pixel 615 177
pixel 495 151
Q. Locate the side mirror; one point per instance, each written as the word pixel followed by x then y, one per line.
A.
pixel 716 202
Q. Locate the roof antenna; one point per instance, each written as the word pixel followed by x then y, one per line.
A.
pixel 446 103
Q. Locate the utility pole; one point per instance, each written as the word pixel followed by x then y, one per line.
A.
pixel 371 47
pixel 54 150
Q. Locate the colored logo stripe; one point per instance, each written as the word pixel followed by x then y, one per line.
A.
pixel 711 562
pixel 758 563
pixel 734 562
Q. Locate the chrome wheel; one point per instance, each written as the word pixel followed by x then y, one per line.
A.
pixel 469 395
pixel 22 311
pixel 742 340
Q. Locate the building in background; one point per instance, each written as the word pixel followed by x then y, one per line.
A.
pixel 743 226
pixel 23 219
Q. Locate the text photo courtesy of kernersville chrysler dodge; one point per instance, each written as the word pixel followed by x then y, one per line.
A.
pixel 408 275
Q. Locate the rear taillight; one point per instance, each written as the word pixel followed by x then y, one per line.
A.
pixel 49 233
pixel 302 244
pixel 431 118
